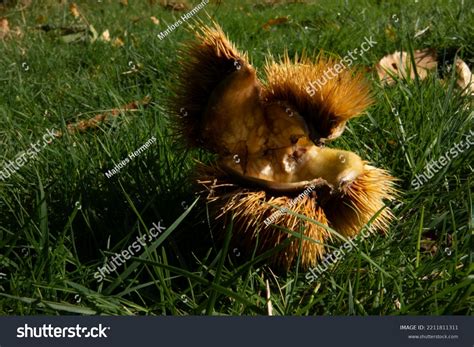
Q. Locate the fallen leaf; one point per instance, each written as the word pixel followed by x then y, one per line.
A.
pixel 118 42
pixel 465 80
pixel 4 28
pixel 274 21
pixel 155 20
pixel 92 123
pixel 105 36
pixel 41 19
pixel 390 33
pixel 74 10
pixel 269 3
pixel 124 2
pixel 399 64
pixel 175 5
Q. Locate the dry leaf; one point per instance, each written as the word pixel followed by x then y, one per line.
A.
pixel 4 28
pixel 118 42
pixel 124 2
pixel 74 10
pixel 155 20
pixel 6 32
pixel 465 80
pixel 105 36
pixel 41 19
pixel 175 5
pixel 94 122
pixel 277 2
pixel 399 64
pixel 274 21
pixel 390 33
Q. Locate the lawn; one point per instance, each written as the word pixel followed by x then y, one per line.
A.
pixel 62 218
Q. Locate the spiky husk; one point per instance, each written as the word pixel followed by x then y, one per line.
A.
pixel 337 100
pixel 363 202
pixel 204 63
pixel 347 214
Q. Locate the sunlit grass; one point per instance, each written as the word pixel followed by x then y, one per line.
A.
pixel 61 217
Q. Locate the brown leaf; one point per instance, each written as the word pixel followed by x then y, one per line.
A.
pixel 277 2
pixel 175 5
pixel 390 33
pixel 74 10
pixel 465 80
pixel 4 28
pixel 429 246
pixel 155 20
pixel 118 42
pixel 274 21
pixel 92 123
pixel 399 64
pixel 41 19
pixel 6 32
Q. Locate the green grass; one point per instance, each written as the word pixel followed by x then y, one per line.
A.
pixel 60 216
